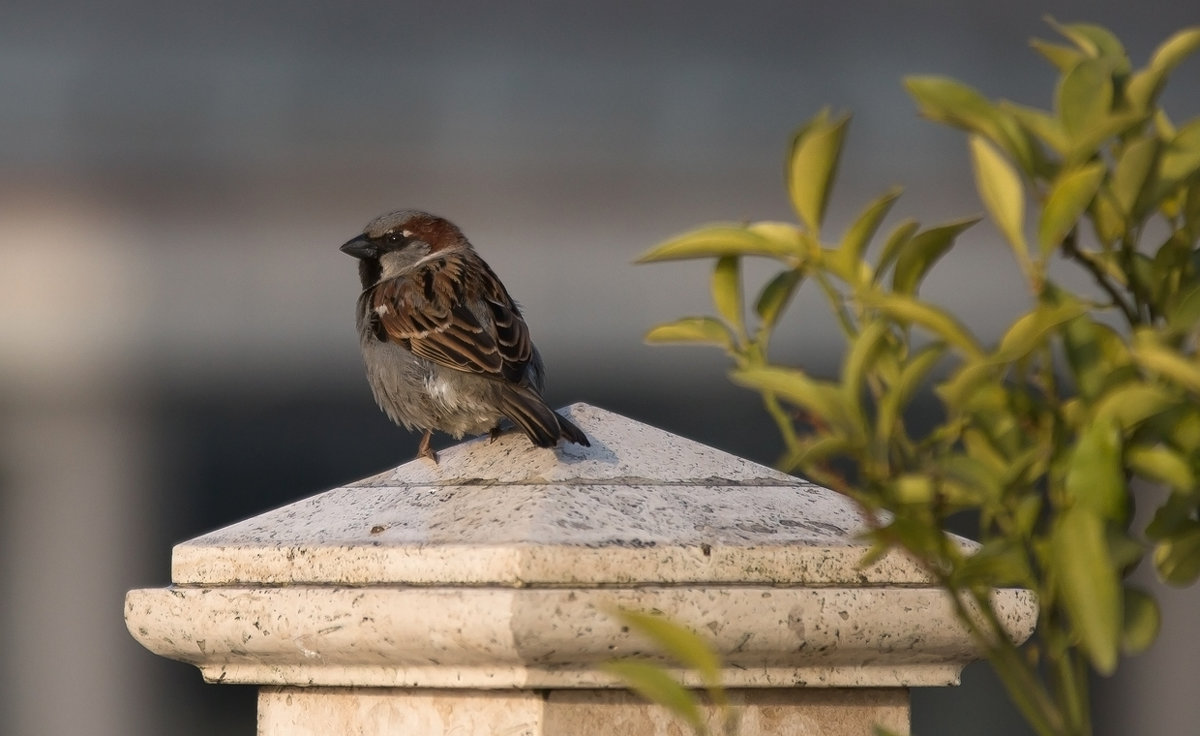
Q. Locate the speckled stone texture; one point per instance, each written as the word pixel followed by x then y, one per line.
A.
pixel 639 506
pixel 487 582
pixel 386 712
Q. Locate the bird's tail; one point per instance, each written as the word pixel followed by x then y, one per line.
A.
pixel 544 426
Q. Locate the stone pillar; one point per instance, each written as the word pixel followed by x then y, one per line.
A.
pixel 475 596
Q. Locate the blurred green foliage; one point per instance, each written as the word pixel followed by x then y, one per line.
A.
pixel 653 682
pixel 1049 436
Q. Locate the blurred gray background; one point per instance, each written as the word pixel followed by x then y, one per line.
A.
pixel 176 323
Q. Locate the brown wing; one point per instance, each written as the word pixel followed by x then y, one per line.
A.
pixel 431 315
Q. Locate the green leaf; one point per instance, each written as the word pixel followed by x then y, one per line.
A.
pixel 924 540
pixel 686 647
pixel 1131 173
pixel 1172 263
pixel 1184 311
pixel 1089 143
pixel 880 546
pixel 822 398
pixel 945 100
pixel 810 453
pixel 812 167
pixel 1107 220
pixel 1069 197
pixel 950 102
pixel 907 310
pixel 776 295
pixel 999 563
pixel 1185 429
pixel 1180 158
pixel 860 356
pixel 1177 557
pixel 889 362
pixel 1191 208
pixel 1162 124
pixel 784 235
pixel 1124 551
pixel 975 473
pixel 727 291
pixel 922 251
pixel 1095 476
pixel 1085 96
pixel 1095 41
pixel 912 488
pixel 896 241
pixel 1165 361
pixel 654 684
pixel 1003 195
pixel 859 234
pixel 1144 86
pixel 1142 621
pixel 962 385
pixel 1087 345
pixel 898 395
pixel 1163 465
pixel 1029 331
pixel 1064 58
pixel 1139 269
pixel 1027 514
pixel 1175 49
pixel 1175 515
pixel 715 241
pixel 1041 125
pixel 1088 584
pixel 705 330
pixel 1129 404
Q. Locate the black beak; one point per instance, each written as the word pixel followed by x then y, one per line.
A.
pixel 360 247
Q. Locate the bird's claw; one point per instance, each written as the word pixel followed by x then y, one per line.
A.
pixel 424 450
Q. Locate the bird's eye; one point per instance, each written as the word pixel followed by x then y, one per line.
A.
pixel 393 236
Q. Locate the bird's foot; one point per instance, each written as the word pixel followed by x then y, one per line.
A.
pixel 424 450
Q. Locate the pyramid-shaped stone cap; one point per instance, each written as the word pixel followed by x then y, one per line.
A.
pixel 640 506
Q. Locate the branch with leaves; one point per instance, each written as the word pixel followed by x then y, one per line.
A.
pixel 1045 437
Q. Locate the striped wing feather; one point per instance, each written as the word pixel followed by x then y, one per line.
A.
pixel 430 314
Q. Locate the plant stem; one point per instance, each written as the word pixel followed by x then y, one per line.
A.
pixel 1071 249
pixel 1019 677
pixel 1027 691
pixel 836 304
pixel 1070 680
pixel 782 419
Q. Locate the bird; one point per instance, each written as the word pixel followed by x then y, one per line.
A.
pixel 445 346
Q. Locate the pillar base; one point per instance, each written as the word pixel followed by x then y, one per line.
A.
pixel 296 711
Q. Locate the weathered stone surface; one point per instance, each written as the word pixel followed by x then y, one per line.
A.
pixel 552 637
pixel 639 506
pixel 385 712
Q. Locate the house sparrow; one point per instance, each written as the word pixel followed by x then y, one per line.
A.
pixel 445 345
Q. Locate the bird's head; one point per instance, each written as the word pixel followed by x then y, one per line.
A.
pixel 392 244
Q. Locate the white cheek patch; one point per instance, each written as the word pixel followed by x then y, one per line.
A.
pixel 397 263
pixel 392 264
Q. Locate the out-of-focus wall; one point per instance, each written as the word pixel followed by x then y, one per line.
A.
pixel 176 341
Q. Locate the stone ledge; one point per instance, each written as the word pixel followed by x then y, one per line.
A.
pixel 556 638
